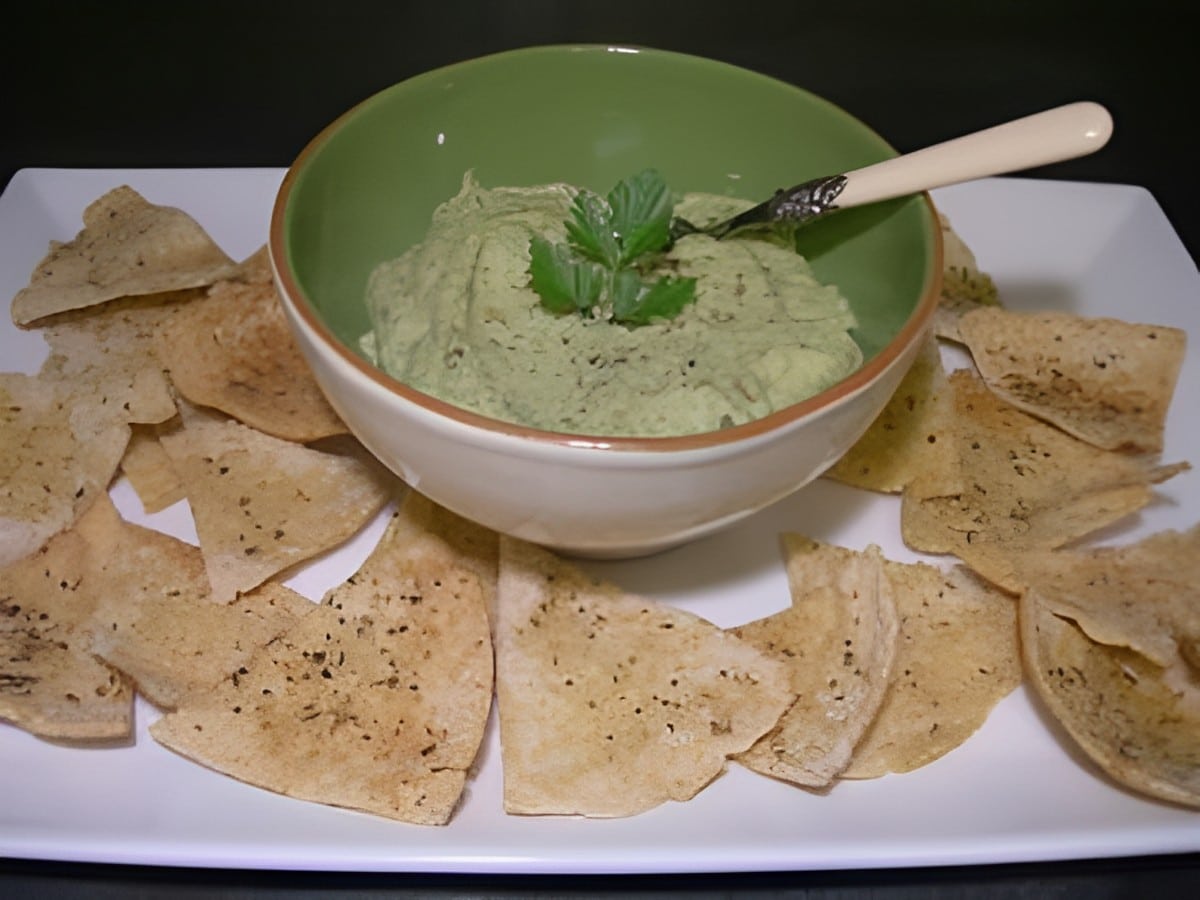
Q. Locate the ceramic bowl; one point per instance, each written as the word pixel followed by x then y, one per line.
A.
pixel 364 189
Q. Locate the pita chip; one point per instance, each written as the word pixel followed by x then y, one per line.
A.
pixel 1017 484
pixel 154 619
pixel 61 450
pixel 612 704
pixel 50 683
pixel 1136 720
pixel 965 286
pixel 838 640
pixel 1144 596
pixel 127 247
pixel 149 470
pixel 376 700
pixel 957 657
pixel 234 351
pixel 1103 380
pixel 261 505
pixel 904 440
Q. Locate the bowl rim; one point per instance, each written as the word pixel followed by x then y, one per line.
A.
pixel 918 322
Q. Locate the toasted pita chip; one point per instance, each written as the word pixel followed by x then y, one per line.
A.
pixel 50 683
pixel 233 351
pixel 261 504
pixel 1017 484
pixel 358 712
pixel 1144 596
pixel 128 247
pixel 612 704
pixel 957 657
pixel 1106 381
pixel 150 472
pixel 1137 721
pixel 61 450
pixel 965 287
pixel 154 618
pixel 904 440
pixel 838 644
pixel 112 349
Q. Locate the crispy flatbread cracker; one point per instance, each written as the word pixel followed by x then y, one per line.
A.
pixel 381 712
pixel 1144 596
pixel 261 504
pixel 127 247
pixel 957 657
pixel 904 439
pixel 1136 720
pixel 50 683
pixel 112 349
pixel 149 470
pixel 61 450
pixel 233 351
pixel 1106 381
pixel 965 286
pixel 1017 484
pixel 838 640
pixel 612 704
pixel 154 618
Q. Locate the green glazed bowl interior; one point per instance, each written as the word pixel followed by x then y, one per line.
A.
pixel 364 190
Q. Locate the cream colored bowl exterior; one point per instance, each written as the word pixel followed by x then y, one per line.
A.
pixel 582 498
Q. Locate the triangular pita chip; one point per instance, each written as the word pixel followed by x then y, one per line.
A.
pixel 377 700
pixel 233 351
pixel 838 640
pixel 61 450
pixel 1138 721
pixel 903 441
pixel 1144 596
pixel 112 349
pixel 1017 484
pixel 154 618
pixel 149 470
pixel 128 247
pixel 957 658
pixel 1106 381
pixel 261 504
pixel 612 704
pixel 50 683
pixel 965 286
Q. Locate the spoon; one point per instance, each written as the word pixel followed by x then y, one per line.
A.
pixel 1064 132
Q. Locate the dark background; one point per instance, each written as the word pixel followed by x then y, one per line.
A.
pixel 221 83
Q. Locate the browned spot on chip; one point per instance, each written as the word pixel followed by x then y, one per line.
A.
pixel 1106 381
pixel 612 704
pixel 838 640
pixel 128 247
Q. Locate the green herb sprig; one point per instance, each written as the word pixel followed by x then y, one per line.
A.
pixel 611 245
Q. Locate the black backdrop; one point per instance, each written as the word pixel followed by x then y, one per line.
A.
pixel 224 83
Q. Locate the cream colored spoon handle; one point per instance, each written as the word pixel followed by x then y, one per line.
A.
pixel 1065 132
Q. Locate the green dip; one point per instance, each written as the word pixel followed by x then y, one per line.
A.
pixel 455 317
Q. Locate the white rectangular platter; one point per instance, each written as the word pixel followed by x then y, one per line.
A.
pixel 1014 792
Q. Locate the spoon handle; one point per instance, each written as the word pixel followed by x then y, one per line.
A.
pixel 1065 132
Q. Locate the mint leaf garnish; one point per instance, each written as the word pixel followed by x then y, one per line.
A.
pixel 564 282
pixel 610 243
